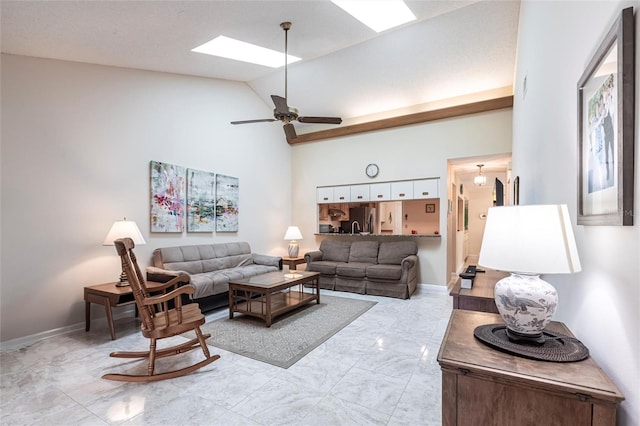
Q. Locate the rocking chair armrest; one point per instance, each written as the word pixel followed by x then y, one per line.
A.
pixel 174 282
pixel 175 294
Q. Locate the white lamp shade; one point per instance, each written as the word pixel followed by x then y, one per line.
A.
pixel 535 239
pixel 293 233
pixel 122 229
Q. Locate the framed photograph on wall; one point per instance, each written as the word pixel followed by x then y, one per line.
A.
pixel 606 129
pixel 430 208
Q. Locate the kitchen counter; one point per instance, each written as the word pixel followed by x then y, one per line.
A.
pixel 337 234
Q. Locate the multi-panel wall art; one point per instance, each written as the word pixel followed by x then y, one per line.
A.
pixel 211 200
pixel 167 197
pixel 201 201
pixel 227 193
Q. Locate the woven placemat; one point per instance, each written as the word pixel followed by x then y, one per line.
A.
pixel 556 348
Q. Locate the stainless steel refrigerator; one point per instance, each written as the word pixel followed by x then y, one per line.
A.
pixel 366 218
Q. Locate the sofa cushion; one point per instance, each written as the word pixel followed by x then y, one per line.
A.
pixel 352 269
pixel 384 272
pixel 216 282
pixel 364 252
pixel 392 253
pixel 324 267
pixel 336 251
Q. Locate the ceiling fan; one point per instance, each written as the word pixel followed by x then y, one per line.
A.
pixel 283 112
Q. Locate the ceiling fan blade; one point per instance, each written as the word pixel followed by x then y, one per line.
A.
pixel 262 120
pixel 324 120
pixel 281 104
pixel 290 132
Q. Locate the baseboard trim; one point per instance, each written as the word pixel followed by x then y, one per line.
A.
pixel 433 288
pixel 22 342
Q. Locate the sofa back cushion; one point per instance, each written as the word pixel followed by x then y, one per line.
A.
pixel 197 259
pixel 364 252
pixel 392 253
pixel 336 251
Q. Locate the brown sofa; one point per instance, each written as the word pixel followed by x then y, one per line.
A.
pixel 388 268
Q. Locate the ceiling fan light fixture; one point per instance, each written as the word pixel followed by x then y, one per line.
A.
pixel 379 15
pixel 230 48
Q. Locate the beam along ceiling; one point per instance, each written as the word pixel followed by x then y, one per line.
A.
pixel 454 48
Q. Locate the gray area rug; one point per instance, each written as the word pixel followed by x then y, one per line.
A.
pixel 291 336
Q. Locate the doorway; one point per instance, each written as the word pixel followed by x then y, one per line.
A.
pixel 468 203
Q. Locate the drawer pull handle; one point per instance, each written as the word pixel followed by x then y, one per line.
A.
pixel 359 197
pixel 425 193
pixel 401 194
pixel 380 195
pixel 342 198
pixel 325 198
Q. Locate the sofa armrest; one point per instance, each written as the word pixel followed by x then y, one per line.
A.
pixel 160 275
pixel 313 256
pixel 262 259
pixel 409 262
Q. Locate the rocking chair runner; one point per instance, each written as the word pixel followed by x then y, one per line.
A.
pixel 159 322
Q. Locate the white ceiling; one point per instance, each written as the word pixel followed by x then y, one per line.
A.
pixel 455 48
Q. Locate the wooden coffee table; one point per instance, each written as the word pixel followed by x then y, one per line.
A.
pixel 269 295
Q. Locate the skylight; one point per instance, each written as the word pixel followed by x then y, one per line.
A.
pixel 246 52
pixel 379 15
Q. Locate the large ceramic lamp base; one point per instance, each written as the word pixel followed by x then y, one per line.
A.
pixel 293 249
pixel 526 304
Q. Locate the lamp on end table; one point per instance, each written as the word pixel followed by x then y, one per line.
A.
pixel 527 241
pixel 121 229
pixel 293 234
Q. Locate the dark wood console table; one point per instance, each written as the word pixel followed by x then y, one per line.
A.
pixel 483 386
pixel 480 296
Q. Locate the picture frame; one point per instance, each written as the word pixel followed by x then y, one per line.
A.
pixel 606 129
pixel 430 208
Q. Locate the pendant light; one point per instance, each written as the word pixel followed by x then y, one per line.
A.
pixel 481 179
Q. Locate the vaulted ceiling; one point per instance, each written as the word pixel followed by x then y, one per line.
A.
pixel 453 49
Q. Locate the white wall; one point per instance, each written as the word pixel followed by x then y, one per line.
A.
pixel 77 140
pixel 411 152
pixel 601 305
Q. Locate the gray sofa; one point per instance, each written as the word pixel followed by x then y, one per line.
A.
pixel 388 268
pixel 210 267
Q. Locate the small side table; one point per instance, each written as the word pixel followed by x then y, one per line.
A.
pixel 109 295
pixel 484 386
pixel 292 262
pixel 480 296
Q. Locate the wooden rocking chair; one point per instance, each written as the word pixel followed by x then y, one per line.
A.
pixel 159 321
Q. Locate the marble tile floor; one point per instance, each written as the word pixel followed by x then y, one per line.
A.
pixel 379 370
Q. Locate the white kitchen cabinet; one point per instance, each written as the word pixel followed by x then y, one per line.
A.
pixel 425 188
pixel 402 190
pixel 359 193
pixel 341 194
pixel 380 191
pixel 324 195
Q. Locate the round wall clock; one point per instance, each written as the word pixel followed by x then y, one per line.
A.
pixel 372 170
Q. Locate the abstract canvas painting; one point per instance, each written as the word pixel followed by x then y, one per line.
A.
pixel 201 201
pixel 167 197
pixel 227 194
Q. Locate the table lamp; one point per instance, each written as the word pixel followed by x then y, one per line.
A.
pixel 293 234
pixel 121 229
pixel 527 241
